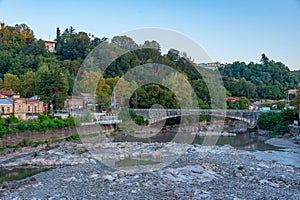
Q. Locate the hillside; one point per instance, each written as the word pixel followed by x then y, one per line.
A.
pixel 27 67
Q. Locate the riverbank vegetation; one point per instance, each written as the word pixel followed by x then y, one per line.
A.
pixel 44 122
pixel 277 123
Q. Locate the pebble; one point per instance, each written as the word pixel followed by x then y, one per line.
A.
pixel 191 176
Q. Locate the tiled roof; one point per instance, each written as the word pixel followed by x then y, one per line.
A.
pixel 232 99
pixel 7 92
pixel 6 101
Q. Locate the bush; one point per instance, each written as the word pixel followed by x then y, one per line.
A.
pixel 73 137
pixel 32 125
pixel 132 114
pixel 11 119
pixel 70 121
pixel 268 121
pixel 43 123
pixel 21 126
pixel 59 123
pixel 281 129
pixel 139 120
pixel 277 123
pixel 43 117
pixel 3 130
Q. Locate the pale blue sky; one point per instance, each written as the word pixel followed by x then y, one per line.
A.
pixel 228 30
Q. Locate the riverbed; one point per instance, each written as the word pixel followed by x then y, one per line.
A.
pixel 280 150
pixel 239 167
pixel 223 173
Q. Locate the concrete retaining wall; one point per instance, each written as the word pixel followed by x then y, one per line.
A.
pixel 51 134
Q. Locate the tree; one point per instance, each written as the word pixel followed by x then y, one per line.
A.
pixel 152 94
pixel 52 85
pixel 103 92
pixel 122 91
pixel 1 83
pixel 264 59
pixel 124 42
pixel 60 85
pixel 280 105
pixel 151 44
pixel 12 82
pixel 173 54
pixel 297 100
pixel 242 103
pixel 89 81
pixel 29 84
pixel 179 84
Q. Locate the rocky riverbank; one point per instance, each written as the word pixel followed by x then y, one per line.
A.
pixel 200 173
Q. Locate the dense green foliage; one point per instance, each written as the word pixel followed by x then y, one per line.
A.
pixel 44 122
pixel 277 122
pixel 269 80
pixel 27 67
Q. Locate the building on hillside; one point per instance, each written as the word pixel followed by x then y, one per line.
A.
pixel 73 103
pixel 9 94
pixel 50 46
pixel 212 64
pixel 89 101
pixel 2 25
pixel 255 106
pixel 26 108
pixel 291 92
pixel 232 99
pixel 6 107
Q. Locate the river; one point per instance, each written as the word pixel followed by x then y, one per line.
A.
pixel 254 145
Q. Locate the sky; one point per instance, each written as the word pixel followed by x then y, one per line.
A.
pixel 228 30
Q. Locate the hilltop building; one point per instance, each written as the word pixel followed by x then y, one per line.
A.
pixel 2 25
pixel 50 46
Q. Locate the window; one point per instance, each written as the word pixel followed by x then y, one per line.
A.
pixel 8 109
pixel 35 109
pixel 20 107
pixel 28 108
pixel 2 109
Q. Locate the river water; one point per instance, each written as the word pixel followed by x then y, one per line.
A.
pixel 254 145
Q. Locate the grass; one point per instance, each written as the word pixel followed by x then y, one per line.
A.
pixel 76 136
pixel 73 137
pixel 127 162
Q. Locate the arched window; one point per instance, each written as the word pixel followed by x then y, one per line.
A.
pixel 28 108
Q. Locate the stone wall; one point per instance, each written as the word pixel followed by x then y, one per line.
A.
pixel 13 139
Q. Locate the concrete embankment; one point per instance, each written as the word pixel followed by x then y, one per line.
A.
pixel 12 139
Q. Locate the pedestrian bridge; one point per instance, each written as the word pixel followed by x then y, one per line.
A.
pixel 156 115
